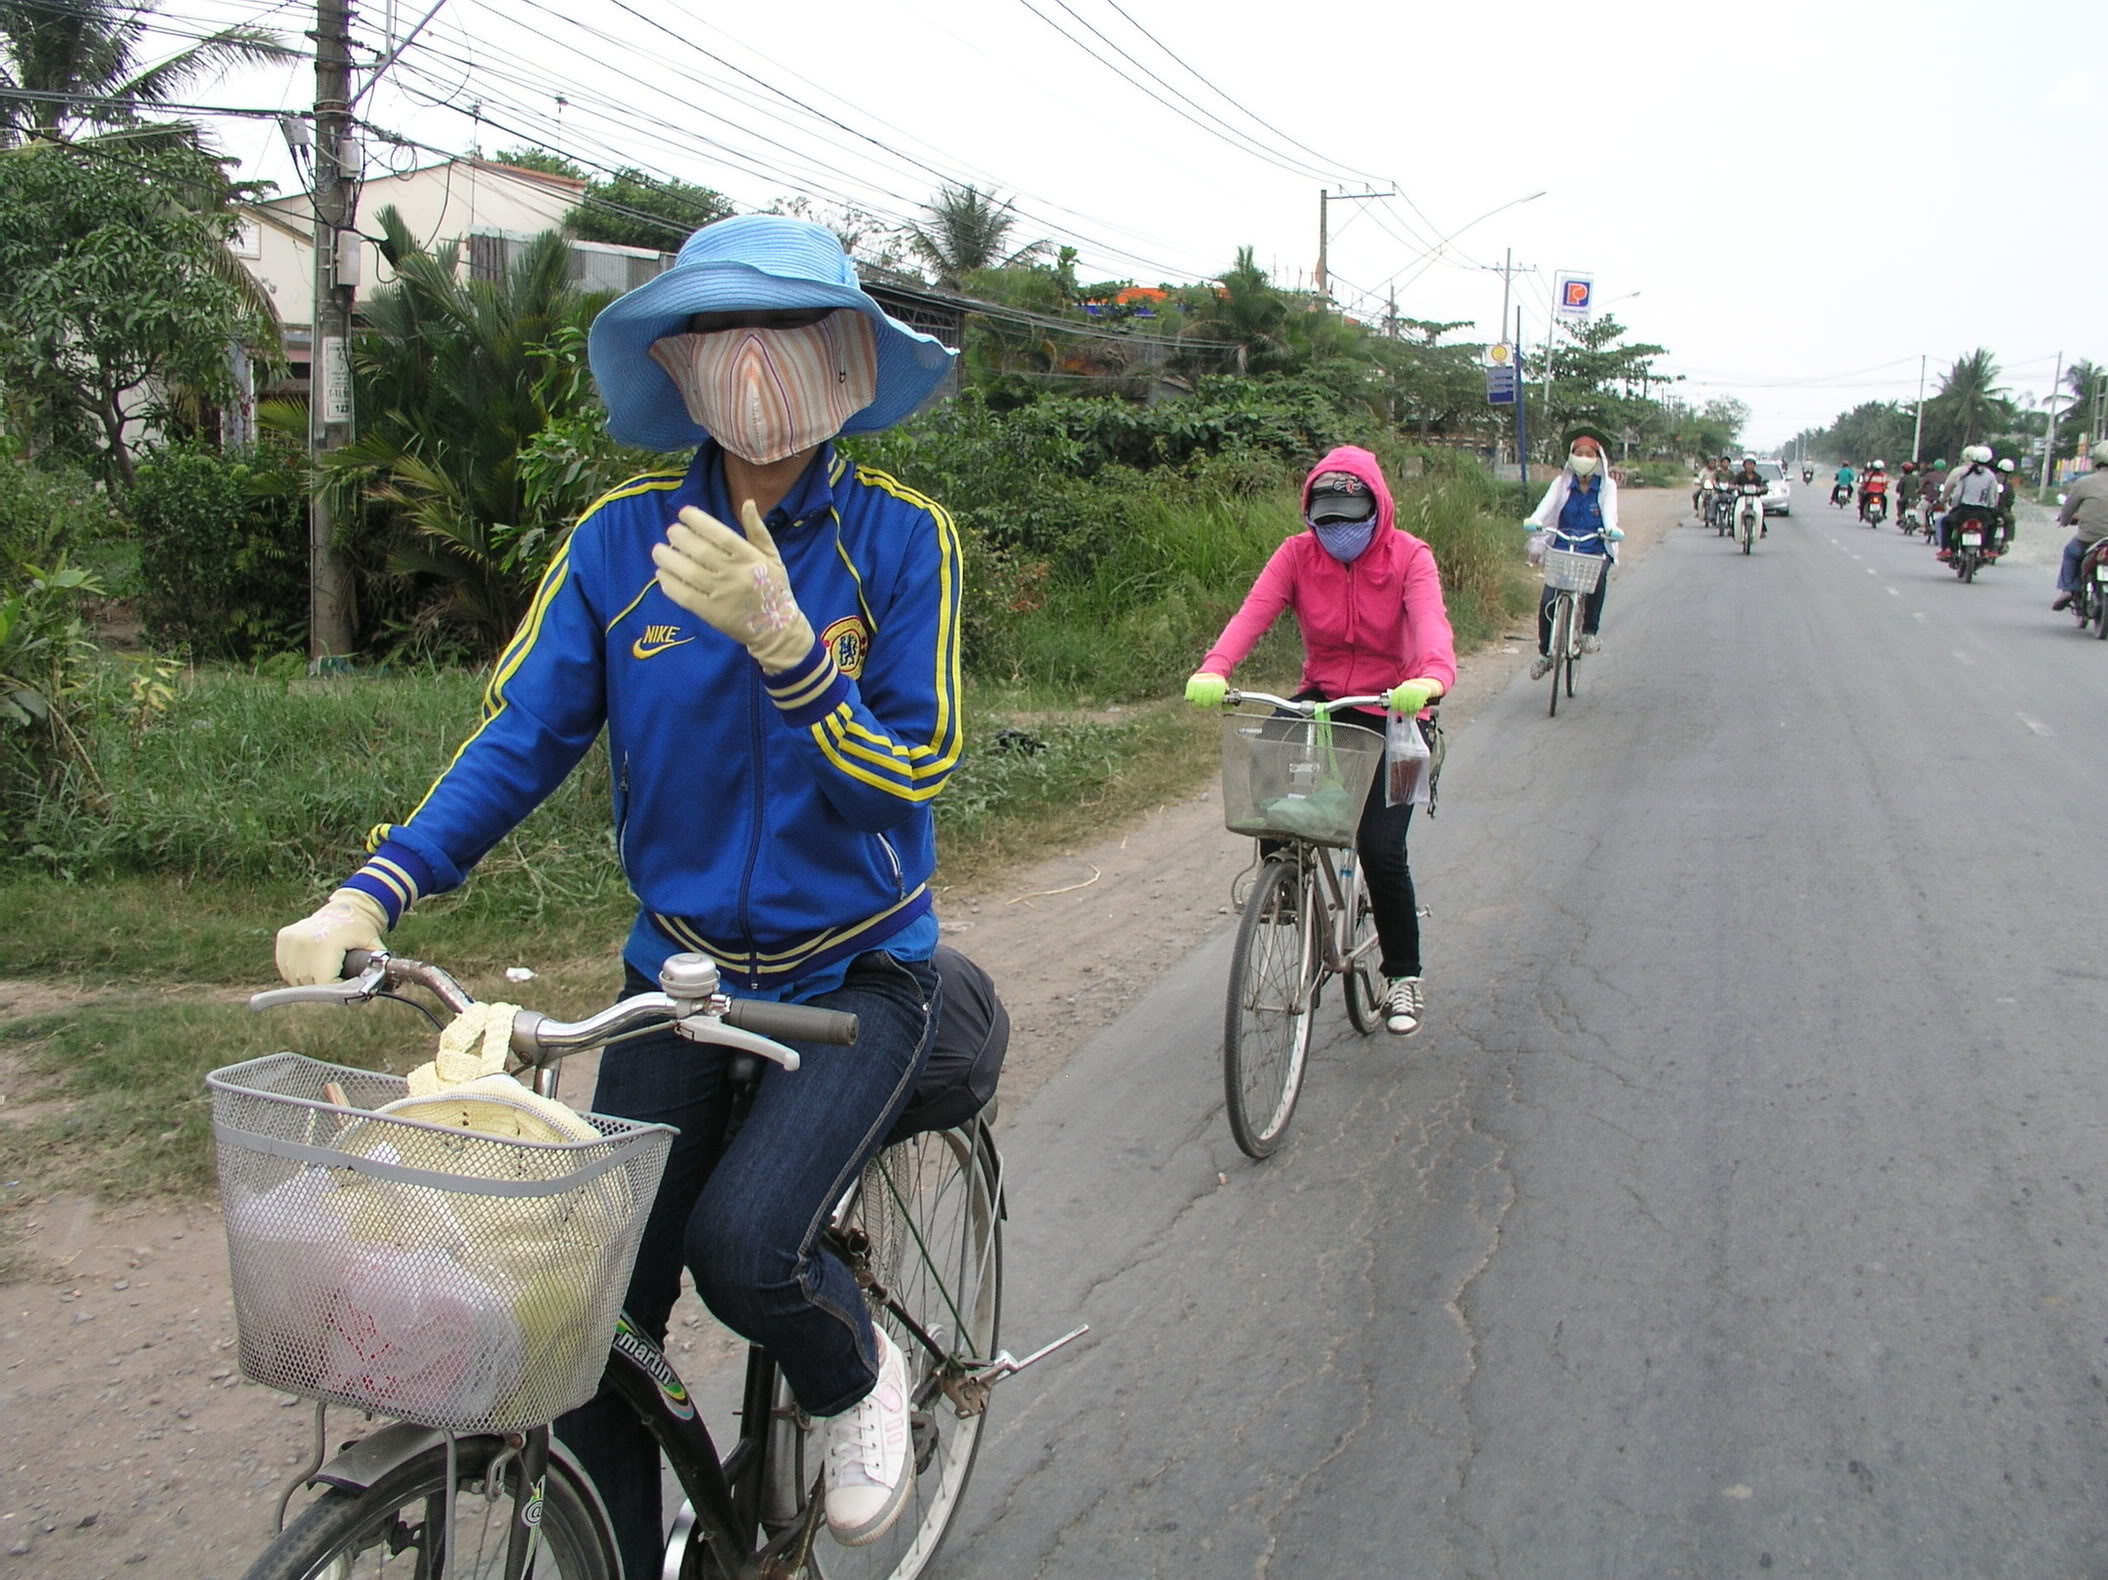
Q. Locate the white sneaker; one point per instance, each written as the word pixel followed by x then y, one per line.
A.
pixel 1403 1006
pixel 1591 643
pixel 1542 667
pixel 870 1455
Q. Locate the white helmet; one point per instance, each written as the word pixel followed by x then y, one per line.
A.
pixel 2006 465
pixel 1980 454
pixel 1877 466
pixel 2100 453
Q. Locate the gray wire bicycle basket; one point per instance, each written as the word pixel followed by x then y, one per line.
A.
pixel 458 1280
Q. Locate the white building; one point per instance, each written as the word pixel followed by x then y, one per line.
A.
pixel 489 210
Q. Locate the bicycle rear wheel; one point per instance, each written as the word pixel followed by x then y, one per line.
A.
pixel 1365 983
pixel 395 1527
pixel 1266 1030
pixel 926 1224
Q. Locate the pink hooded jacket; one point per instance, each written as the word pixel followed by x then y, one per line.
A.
pixel 1366 626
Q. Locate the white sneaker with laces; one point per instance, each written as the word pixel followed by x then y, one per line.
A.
pixel 1542 667
pixel 870 1455
pixel 1591 643
pixel 1403 1006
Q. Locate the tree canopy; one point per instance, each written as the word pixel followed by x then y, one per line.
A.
pixel 121 307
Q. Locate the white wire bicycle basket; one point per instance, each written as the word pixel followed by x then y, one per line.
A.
pixel 1291 778
pixel 1571 572
pixel 442 1276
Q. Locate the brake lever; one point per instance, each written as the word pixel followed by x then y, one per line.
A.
pixel 357 990
pixel 706 1027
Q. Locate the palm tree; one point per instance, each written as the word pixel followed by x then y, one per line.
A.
pixel 82 60
pixel 462 377
pixel 1971 402
pixel 968 230
pixel 1247 313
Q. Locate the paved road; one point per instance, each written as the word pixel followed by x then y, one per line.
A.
pixel 1740 1209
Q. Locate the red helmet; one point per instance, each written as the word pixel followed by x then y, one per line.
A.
pixel 1910 466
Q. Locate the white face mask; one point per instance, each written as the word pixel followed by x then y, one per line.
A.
pixel 765 394
pixel 1582 465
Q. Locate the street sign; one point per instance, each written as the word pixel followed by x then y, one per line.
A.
pixel 1576 295
pixel 1500 384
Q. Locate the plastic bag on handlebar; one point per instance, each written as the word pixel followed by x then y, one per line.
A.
pixel 1408 762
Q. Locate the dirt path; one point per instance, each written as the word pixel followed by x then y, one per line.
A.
pixel 132 1442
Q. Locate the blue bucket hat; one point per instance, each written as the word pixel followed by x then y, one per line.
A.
pixel 751 263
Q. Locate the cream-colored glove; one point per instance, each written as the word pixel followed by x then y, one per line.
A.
pixel 312 950
pixel 735 583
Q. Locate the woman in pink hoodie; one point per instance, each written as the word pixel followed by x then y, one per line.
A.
pixel 1368 600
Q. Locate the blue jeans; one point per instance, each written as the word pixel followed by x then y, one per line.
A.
pixel 745 1219
pixel 2068 576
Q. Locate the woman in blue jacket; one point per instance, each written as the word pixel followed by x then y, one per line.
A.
pixel 781 702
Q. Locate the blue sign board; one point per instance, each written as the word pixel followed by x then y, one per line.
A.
pixel 1500 384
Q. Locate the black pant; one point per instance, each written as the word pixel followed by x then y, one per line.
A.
pixel 1591 611
pixel 1380 840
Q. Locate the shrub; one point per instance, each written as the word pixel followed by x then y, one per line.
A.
pixel 47 511
pixel 223 550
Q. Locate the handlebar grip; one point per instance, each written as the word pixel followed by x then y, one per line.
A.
pixel 355 962
pixel 792 1022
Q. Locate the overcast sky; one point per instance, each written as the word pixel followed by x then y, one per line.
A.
pixel 1804 196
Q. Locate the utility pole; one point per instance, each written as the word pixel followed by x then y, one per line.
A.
pixel 1917 427
pixel 1326 198
pixel 330 415
pixel 1507 269
pixel 1522 404
pixel 2049 440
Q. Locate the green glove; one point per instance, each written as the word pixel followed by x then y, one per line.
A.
pixel 1204 690
pixel 737 584
pixel 1413 695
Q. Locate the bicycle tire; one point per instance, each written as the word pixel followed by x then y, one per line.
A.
pixel 1265 1038
pixel 925 1201
pixel 336 1535
pixel 1562 640
pixel 1365 983
pixel 2100 616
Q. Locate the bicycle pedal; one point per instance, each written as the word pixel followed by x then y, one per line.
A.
pixel 968 1391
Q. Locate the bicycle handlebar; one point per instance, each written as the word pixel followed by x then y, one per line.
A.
pixel 1312 706
pixel 689 1003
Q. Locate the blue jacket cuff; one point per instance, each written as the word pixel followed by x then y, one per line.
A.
pixel 396 876
pixel 811 689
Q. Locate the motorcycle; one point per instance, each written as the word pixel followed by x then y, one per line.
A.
pixel 1873 508
pixel 1749 514
pixel 2090 602
pixel 1968 530
pixel 1915 520
pixel 1723 508
pixel 1807 474
pixel 1841 495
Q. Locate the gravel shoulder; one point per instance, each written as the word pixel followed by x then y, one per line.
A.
pixel 133 1442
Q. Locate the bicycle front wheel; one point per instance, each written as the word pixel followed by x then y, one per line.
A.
pixel 926 1223
pixel 1562 645
pixel 1266 1031
pixel 398 1526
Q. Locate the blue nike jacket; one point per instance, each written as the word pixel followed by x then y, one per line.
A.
pixel 780 824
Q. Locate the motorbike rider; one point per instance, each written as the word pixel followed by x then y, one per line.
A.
pixel 2085 511
pixel 1906 488
pixel 1973 488
pixel 1745 475
pixel 2008 513
pixel 782 698
pixel 1841 491
pixel 1702 486
pixel 1872 487
pixel 1582 504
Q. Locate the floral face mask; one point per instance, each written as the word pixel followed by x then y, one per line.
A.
pixel 765 394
